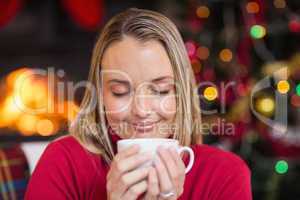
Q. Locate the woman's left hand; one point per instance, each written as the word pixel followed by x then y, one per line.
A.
pixel 167 176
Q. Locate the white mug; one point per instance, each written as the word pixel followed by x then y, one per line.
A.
pixel 151 144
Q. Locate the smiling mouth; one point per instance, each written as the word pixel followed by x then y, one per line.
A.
pixel 144 127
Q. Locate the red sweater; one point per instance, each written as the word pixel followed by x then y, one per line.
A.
pixel 66 170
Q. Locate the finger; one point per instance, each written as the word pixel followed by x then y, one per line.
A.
pixel 133 149
pixel 177 158
pixel 135 191
pixel 163 176
pixel 172 168
pixel 181 169
pixel 131 163
pixel 153 185
pixel 133 177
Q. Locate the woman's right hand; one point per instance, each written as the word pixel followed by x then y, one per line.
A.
pixel 124 179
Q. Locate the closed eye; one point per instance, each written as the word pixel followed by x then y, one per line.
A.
pixel 120 94
pixel 163 92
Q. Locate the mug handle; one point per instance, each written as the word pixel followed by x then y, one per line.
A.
pixel 192 157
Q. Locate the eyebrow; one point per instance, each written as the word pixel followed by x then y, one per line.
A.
pixel 128 83
pixel 162 78
pixel 119 81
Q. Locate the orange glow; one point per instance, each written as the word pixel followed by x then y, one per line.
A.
pixel 202 12
pixel 9 112
pixel 45 127
pixel 202 53
pixel 68 109
pixel 283 86
pixel 252 7
pixel 226 55
pixel 26 105
pixel 196 66
pixel 26 124
pixel 279 3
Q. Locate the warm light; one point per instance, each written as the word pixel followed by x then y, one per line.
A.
pixel 226 55
pixel 257 31
pixel 196 66
pixel 279 3
pixel 45 127
pixel 9 112
pixel 202 12
pixel 294 25
pixel 252 7
pixel 210 93
pixel 24 94
pixel 11 79
pixel 26 124
pixel 69 110
pixel 202 53
pixel 283 86
pixel 266 105
pixel 295 100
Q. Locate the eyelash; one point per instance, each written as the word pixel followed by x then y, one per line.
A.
pixel 120 94
pixel 165 92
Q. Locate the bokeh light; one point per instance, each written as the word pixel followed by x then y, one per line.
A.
pixel 226 55
pixel 191 48
pixel 257 31
pixel 202 53
pixel 295 100
pixel 279 3
pixel 210 93
pixel 26 124
pixel 265 105
pixel 294 25
pixel 252 7
pixel 298 89
pixel 281 167
pixel 196 65
pixel 283 86
pixel 203 12
pixel 45 127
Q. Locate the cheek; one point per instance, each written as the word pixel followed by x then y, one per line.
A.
pixel 167 107
pixel 116 109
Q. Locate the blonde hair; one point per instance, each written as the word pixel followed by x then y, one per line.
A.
pixel 143 25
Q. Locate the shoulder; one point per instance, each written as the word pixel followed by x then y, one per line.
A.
pixel 68 155
pixel 67 149
pixel 65 170
pixel 225 174
pixel 213 156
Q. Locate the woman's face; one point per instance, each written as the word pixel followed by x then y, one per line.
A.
pixel 138 89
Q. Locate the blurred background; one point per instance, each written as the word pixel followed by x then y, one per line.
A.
pixel 245 56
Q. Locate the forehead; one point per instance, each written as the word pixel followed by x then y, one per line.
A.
pixel 138 61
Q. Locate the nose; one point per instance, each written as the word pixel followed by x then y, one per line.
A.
pixel 141 105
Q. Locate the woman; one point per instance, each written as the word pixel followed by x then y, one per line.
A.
pixel 145 88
